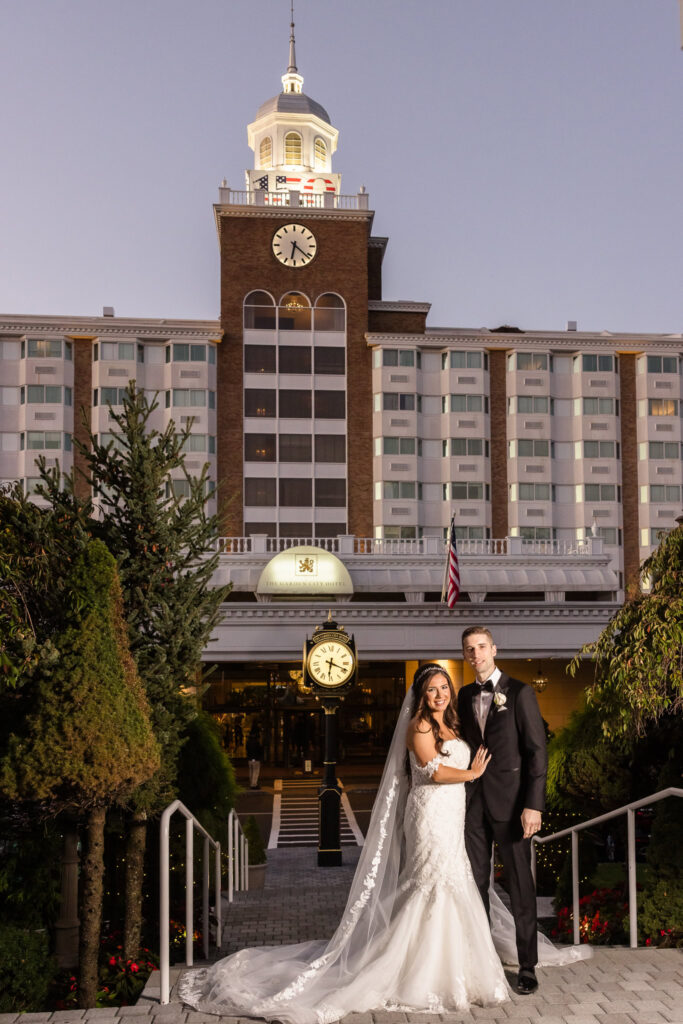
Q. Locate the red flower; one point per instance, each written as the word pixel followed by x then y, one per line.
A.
pixel 134 968
pixel 112 961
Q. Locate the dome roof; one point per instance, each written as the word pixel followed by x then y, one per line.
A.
pixel 293 103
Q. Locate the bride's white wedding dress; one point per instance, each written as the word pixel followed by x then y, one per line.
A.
pixel 414 934
pixel 434 953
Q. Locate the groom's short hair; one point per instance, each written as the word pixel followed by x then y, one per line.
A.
pixel 471 630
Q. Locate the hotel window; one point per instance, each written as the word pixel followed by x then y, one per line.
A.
pixel 610 535
pixel 259 312
pixel 40 440
pixel 178 488
pixel 467 403
pixel 392 401
pixel 211 351
pixel 662 407
pixel 668 493
pixel 528 403
pixel 320 154
pixel 468 446
pixel 533 492
pixel 526 448
pixel 295 447
pixel 260 491
pixel 393 489
pixel 195 443
pixel 39 394
pixel 293 149
pixel 465 360
pixel 597 406
pixel 295 492
pixel 295 404
pixel 110 396
pixel 330 361
pixel 294 359
pixel 187 397
pixel 265 153
pixel 661 450
pixel 330 493
pixel 600 492
pixel 469 532
pixel 395 445
pixel 330 405
pixel 330 313
pixel 662 364
pixel 39 348
pixel 654 536
pixel 466 491
pixel 330 448
pixel 399 532
pixel 117 350
pixel 294 313
pixel 531 361
pixel 535 533
pixel 396 357
pixel 183 353
pixel 596 364
pixel 141 353
pixel 259 447
pixel 259 358
pixel 600 449
pixel 259 402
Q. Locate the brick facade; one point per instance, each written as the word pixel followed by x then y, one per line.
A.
pixel 341 266
pixel 629 471
pixel 82 399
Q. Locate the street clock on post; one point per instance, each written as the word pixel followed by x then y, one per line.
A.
pixel 330 665
pixel 330 662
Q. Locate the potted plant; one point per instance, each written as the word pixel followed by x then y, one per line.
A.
pixel 257 853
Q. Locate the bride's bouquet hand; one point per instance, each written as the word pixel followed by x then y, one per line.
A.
pixel 480 762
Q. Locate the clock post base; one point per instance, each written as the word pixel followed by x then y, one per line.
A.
pixel 329 858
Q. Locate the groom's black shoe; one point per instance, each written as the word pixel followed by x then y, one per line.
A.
pixel 526 981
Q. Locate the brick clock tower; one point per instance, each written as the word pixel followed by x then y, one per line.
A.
pixel 294 383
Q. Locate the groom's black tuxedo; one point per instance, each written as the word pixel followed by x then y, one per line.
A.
pixel 515 737
pixel 514 779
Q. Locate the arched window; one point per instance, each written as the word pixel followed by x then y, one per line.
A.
pixel 330 313
pixel 293 149
pixel 320 155
pixel 265 153
pixel 295 312
pixel 259 312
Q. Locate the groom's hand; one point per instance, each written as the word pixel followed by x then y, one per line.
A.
pixel 531 822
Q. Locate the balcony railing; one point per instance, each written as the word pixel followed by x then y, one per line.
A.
pixel 435 546
pixel 314 200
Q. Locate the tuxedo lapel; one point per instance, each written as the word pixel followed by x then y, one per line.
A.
pixel 502 687
pixel 473 711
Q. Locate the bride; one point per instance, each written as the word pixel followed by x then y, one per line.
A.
pixel 414 934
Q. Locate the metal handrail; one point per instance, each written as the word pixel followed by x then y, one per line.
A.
pixel 629 810
pixel 238 857
pixel 164 911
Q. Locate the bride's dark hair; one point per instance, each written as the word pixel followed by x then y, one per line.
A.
pixel 420 708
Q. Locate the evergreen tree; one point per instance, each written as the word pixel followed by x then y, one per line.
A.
pixel 87 742
pixel 167 555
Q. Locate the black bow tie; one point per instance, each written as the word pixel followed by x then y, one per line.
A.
pixel 488 685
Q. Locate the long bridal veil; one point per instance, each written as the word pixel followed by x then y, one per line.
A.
pixel 300 984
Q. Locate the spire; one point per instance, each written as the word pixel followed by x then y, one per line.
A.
pixel 292 51
pixel 292 80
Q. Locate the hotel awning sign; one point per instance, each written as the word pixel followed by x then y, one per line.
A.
pixel 305 572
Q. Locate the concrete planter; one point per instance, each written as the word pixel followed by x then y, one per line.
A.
pixel 257 876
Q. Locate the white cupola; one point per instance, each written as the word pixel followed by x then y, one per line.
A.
pixel 292 139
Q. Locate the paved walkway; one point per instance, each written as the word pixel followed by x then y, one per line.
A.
pixel 301 901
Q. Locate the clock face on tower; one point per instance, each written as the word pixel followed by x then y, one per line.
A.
pixel 294 245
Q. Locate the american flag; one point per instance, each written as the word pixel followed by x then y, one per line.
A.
pixel 283 180
pixel 452 583
pixel 327 184
pixel 262 183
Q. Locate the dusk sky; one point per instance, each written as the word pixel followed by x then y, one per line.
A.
pixel 525 157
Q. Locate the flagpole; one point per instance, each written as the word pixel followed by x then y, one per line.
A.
pixel 444 587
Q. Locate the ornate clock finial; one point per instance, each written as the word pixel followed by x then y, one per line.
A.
pixel 292 80
pixel 292 51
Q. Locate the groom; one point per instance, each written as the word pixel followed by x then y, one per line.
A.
pixel 505 804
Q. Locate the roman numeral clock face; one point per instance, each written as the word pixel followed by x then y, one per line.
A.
pixel 330 663
pixel 294 245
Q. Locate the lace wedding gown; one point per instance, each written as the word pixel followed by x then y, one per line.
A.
pixel 414 935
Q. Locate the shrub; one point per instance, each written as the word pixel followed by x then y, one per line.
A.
pixel 26 969
pixel 660 914
pixel 603 919
pixel 257 848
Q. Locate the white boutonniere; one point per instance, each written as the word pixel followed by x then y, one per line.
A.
pixel 500 700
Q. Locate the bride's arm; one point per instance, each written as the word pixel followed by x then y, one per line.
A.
pixel 424 747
